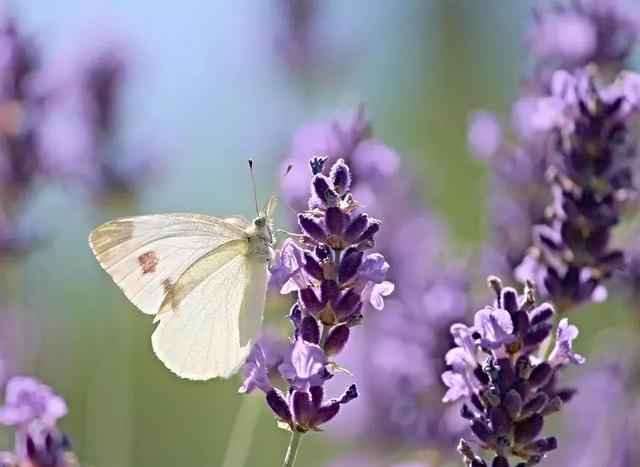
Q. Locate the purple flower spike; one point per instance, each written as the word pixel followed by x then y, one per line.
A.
pixel 304 365
pixel 336 278
pixel 255 372
pixel 27 399
pixel 501 373
pixel 562 352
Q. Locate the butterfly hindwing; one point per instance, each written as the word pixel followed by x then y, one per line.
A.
pixel 210 319
pixel 145 255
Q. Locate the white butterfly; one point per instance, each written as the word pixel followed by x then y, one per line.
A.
pixel 203 278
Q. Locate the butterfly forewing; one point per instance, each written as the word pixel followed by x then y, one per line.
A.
pixel 145 255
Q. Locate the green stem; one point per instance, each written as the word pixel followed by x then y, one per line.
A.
pixel 242 432
pixel 292 450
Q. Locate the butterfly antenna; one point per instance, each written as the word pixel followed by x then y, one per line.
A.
pixel 253 183
pixel 286 203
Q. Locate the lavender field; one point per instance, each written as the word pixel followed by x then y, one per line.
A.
pixel 445 272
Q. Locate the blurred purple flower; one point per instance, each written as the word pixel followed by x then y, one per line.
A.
pixel 19 117
pixel 27 399
pixel 571 252
pixel 34 409
pixel 576 33
pixel 606 433
pixel 484 136
pixel 79 136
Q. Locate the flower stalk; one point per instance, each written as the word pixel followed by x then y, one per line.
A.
pixel 292 450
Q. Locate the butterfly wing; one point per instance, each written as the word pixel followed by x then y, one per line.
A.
pixel 213 314
pixel 145 255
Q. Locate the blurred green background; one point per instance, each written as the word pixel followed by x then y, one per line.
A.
pixel 206 88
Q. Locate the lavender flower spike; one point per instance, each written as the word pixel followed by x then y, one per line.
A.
pixel 508 385
pixel 591 181
pixel 334 278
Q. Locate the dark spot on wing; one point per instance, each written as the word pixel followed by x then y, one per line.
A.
pixel 148 262
pixel 167 285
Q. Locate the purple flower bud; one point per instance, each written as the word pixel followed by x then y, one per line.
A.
pixel 499 421
pixel 323 190
pixel 482 431
pixel 356 227
pixel 350 394
pixel 522 387
pixel 512 403
pixel 310 225
pixel 540 374
pixel 346 304
pixel 312 267
pixel 309 300
pixel 340 176
pixel 334 219
pixel 370 231
pixel 278 404
pixel 509 300
pixel 542 445
pixel 351 261
pixel 537 334
pixel 554 405
pixel 336 339
pixel 520 322
pixel 541 313
pixel 309 330
pixel 328 291
pixel 536 404
pixel 566 394
pixel 302 408
pixel 527 429
pixel 326 413
pixel 317 164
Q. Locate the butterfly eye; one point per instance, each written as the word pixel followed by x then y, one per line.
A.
pixel 259 222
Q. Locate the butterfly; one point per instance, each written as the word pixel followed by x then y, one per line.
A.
pixel 204 279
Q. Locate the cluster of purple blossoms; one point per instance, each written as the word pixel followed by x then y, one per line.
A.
pixel 398 360
pixel 79 94
pixel 333 277
pixel 34 409
pixel 573 34
pixel 591 180
pixel 499 368
pixel 564 35
pixel 19 160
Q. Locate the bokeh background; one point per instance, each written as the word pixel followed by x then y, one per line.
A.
pixel 208 85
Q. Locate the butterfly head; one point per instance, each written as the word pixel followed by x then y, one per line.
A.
pixel 263 224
